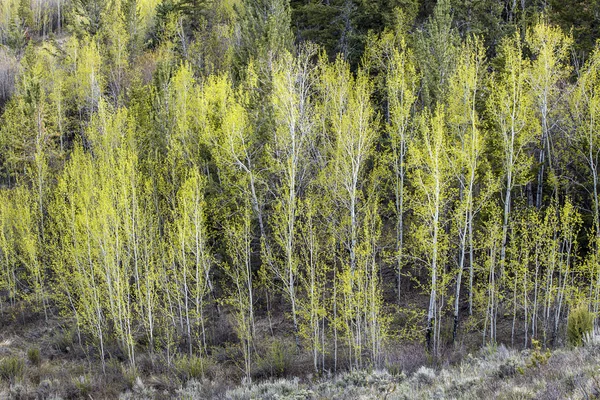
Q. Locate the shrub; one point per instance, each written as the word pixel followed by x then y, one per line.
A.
pixel 538 357
pixel 424 376
pixel 405 359
pixel 33 355
pixel 276 361
pixel 130 375
pixel 280 389
pixel 44 389
pixel 507 369
pixel 83 385
pixel 189 368
pixel 139 392
pixel 11 369
pixel 592 338
pixel 202 390
pixel 17 392
pixel 579 324
pixel 63 341
pixel 353 378
pixel 365 378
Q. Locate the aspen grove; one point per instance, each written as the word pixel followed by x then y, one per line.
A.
pixel 179 177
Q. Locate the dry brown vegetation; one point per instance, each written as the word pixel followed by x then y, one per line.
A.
pixel 41 360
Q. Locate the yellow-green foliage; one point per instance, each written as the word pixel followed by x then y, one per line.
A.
pixel 33 355
pixel 159 190
pixel 12 369
pixel 580 323
pixel 538 357
pixel 193 367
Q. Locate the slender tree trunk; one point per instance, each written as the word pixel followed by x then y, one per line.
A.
pixel 433 294
pixel 399 166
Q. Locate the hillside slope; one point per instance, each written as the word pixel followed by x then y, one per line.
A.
pixel 495 373
pixel 40 360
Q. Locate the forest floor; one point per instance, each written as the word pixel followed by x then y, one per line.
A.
pixel 42 359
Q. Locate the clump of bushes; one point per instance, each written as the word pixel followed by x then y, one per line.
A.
pixel 280 389
pixel 203 390
pixel 276 360
pixel 364 378
pixel 33 355
pixel 139 391
pixel 12 369
pixel 507 369
pixel 424 376
pixel 194 367
pixel 63 341
pixel 538 357
pixel 83 386
pixel 44 389
pixel 579 324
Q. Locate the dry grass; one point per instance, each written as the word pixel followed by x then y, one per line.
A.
pixel 494 373
pixel 41 362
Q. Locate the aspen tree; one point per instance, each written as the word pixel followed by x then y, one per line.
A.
pixel 585 106
pixel 183 191
pixel 180 274
pixel 551 51
pixel 116 48
pixel 78 227
pixel 360 304
pixel 192 253
pixel 238 237
pixel 491 245
pixel 28 244
pixel 98 229
pixel 375 323
pixel 312 312
pixel 431 177
pixel 141 231
pixel 235 157
pixel 238 150
pixel 115 164
pixel 62 251
pixel 174 323
pixel 188 257
pixel 88 80
pixel 294 116
pixel 402 81
pixel 538 235
pixel 570 223
pixel 464 123
pixel 511 110
pixel 328 229
pixel 143 237
pixel 517 268
pixel 550 264
pixel 8 273
pixel 30 135
pixel 182 100
pixel 350 115
pixel 35 99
